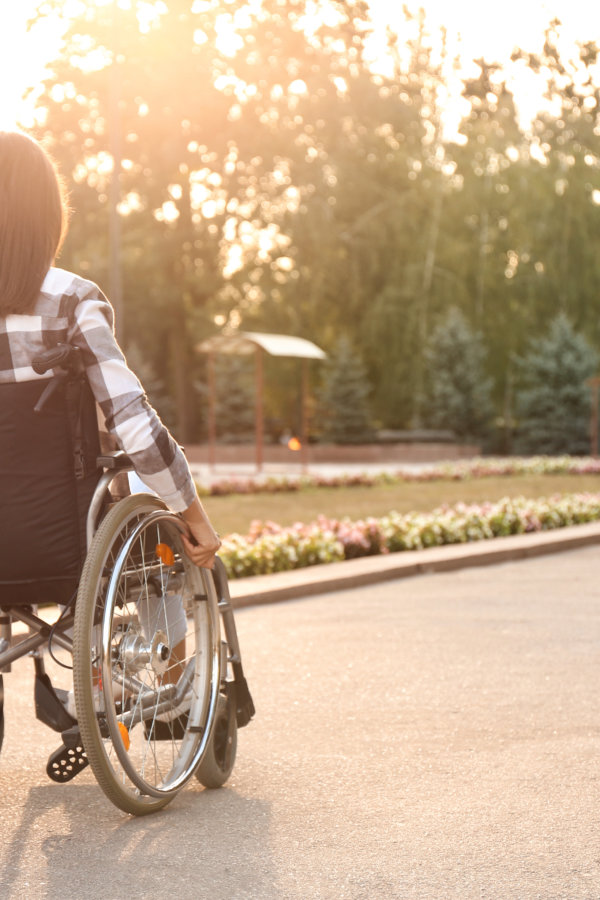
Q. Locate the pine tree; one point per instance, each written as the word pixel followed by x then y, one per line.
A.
pixel 458 396
pixel 343 399
pixel 553 403
pixel 234 378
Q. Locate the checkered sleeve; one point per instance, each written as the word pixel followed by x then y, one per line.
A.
pixel 156 457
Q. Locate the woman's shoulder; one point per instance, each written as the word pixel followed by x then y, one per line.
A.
pixel 61 283
pixel 62 294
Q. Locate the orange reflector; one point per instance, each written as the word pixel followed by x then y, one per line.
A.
pixel 124 735
pixel 294 444
pixel 165 554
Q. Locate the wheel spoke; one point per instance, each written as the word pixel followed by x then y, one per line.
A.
pixel 138 587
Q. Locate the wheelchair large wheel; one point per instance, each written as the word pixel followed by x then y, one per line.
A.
pixel 146 650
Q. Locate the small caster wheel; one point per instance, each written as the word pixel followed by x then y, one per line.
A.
pixel 218 761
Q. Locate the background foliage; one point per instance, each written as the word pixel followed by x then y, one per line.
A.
pixel 277 182
pixel 343 400
pixel 553 409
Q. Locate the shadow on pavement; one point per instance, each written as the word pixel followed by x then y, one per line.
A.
pixel 202 844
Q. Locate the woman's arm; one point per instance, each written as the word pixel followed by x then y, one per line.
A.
pixel 129 417
pixel 207 541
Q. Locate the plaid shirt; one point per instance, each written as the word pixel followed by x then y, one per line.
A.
pixel 72 310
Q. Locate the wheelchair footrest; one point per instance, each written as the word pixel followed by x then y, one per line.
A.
pixel 50 704
pixel 69 760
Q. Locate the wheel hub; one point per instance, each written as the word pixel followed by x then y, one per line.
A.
pixel 135 652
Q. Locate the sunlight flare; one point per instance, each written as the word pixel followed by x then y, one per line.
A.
pixel 24 54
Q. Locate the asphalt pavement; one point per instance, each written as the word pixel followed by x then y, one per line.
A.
pixel 433 737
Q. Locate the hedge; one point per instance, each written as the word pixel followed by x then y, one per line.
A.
pixel 271 548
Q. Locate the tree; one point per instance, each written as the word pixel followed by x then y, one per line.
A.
pixel 120 112
pixel 362 239
pixel 235 402
pixel 558 255
pixel 488 221
pixel 271 180
pixel 459 391
pixel 553 400
pixel 200 133
pixel 343 398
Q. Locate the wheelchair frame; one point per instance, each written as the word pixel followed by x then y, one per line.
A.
pixel 121 681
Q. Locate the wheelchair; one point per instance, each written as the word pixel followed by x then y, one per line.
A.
pixel 158 685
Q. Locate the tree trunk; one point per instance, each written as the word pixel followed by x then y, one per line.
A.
pixel 426 284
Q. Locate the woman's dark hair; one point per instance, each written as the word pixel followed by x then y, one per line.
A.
pixel 33 220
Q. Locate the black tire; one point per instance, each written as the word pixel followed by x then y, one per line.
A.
pixel 218 761
pixel 136 561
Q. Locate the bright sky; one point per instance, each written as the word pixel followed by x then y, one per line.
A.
pixel 493 29
pixel 474 27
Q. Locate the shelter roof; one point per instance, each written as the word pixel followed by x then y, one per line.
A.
pixel 245 342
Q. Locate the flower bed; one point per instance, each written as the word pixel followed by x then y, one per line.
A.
pixel 479 467
pixel 270 548
pixel 484 467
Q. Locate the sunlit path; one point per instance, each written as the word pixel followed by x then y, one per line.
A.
pixel 435 737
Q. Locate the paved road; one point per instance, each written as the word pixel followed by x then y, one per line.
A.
pixel 435 737
pixel 204 474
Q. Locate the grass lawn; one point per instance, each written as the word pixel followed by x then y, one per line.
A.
pixel 236 512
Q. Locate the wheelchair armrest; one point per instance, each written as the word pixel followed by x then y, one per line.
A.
pixel 114 461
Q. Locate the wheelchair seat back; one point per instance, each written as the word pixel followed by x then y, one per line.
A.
pixel 48 472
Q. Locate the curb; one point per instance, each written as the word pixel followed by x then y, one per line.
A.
pixel 329 577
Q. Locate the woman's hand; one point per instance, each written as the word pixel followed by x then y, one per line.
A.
pixel 202 543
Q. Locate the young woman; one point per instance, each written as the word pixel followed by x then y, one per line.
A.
pixel 41 306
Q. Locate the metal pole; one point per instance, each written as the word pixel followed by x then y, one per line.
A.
pixel 212 411
pixel 259 411
pixel 304 417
